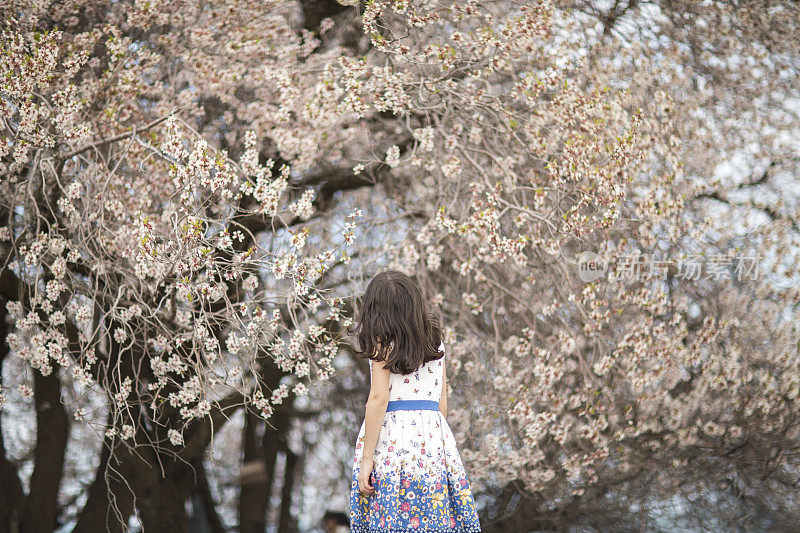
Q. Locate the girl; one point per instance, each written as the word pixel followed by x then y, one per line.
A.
pixel 407 472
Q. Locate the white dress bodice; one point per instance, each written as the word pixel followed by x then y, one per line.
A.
pixel 424 384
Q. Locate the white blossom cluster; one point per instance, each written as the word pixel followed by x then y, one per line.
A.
pixel 173 272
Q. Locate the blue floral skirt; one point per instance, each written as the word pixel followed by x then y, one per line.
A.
pixel 419 479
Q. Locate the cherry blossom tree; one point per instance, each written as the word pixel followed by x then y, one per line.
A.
pixel 589 390
pixel 174 280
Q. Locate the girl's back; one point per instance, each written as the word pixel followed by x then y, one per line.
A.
pixel 419 479
pixel 424 384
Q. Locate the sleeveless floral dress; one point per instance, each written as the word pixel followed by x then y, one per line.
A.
pixel 419 479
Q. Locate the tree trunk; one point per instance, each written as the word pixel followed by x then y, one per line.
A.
pixel 253 496
pixel 254 499
pixel 52 430
pixel 110 501
pixel 161 501
pixel 289 477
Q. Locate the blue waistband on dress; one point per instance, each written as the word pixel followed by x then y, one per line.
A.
pixel 410 405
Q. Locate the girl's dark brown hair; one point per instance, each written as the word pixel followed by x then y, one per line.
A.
pixel 394 324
